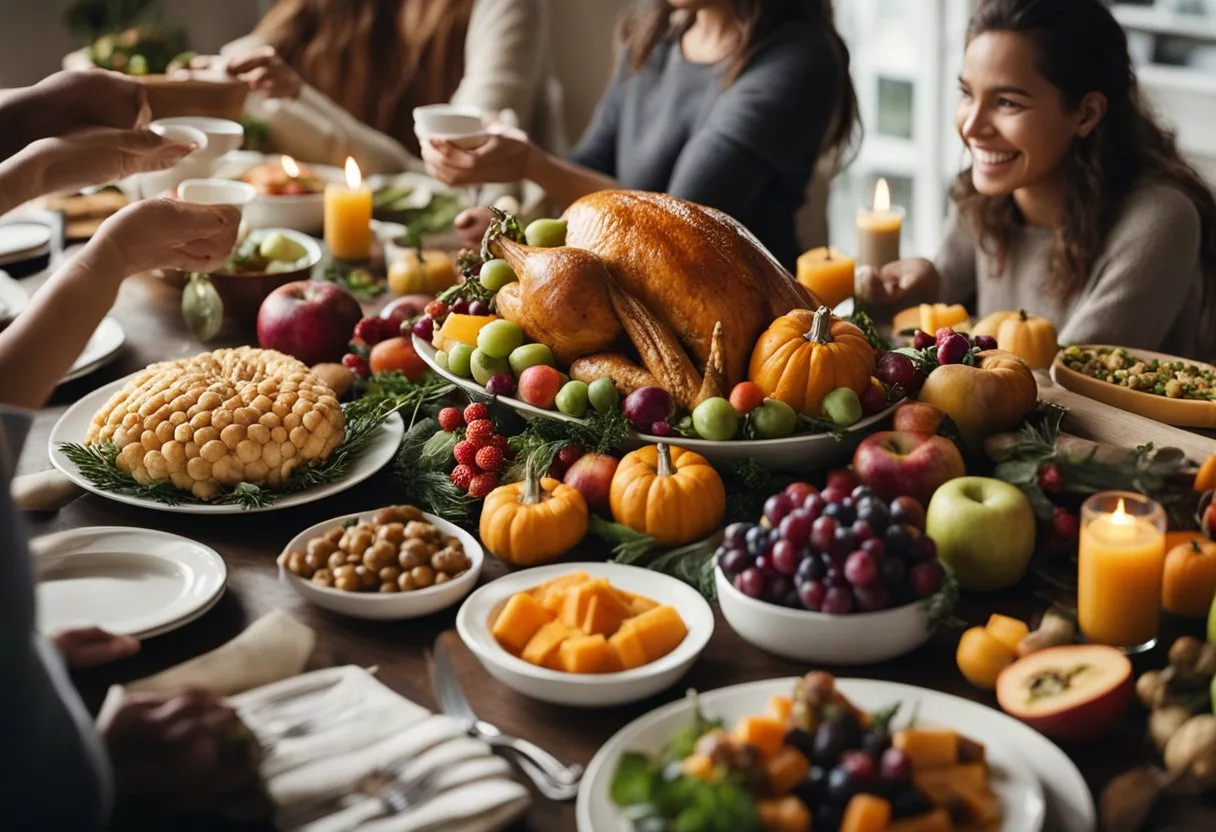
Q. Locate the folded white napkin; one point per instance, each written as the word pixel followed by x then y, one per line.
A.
pixel 357 728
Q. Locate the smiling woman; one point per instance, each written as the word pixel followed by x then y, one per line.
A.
pixel 1077 206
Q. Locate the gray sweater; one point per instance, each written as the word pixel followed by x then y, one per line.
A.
pixel 1143 290
pixel 748 149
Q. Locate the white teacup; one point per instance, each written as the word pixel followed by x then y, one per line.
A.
pixel 216 192
pixel 463 126
pixel 195 165
pixel 222 135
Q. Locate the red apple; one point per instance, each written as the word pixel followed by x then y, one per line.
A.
pixel 309 319
pixel 918 417
pixel 1074 692
pixel 405 307
pixel 591 476
pixel 897 463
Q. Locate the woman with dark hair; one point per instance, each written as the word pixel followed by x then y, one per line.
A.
pixel 727 103
pixel 1077 206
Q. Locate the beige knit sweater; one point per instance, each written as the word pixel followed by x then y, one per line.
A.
pixel 1143 290
pixel 506 68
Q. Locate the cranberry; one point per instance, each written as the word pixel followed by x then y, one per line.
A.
pixel 1050 479
pixel 1064 524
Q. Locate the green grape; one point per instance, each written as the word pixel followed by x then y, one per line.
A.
pixel 572 398
pixel 545 233
pixel 529 355
pixel 459 358
pixel 603 394
pixel 498 338
pixel 495 274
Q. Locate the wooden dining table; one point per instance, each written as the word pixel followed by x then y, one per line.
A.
pixel 148 310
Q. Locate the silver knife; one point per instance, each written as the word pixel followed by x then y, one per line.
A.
pixel 552 777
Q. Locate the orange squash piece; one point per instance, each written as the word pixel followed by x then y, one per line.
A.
pixel 766 734
pixel 1008 631
pixel 660 629
pixel 583 654
pixel 785 770
pixel 981 807
pixel 929 317
pixel 639 604
pixel 866 813
pixel 464 328
pixel 780 707
pixel 936 821
pixel 785 814
pixel 939 783
pixel 927 749
pixel 541 649
pixel 519 620
pixel 628 647
pixel 560 584
pixel 605 613
pixel 578 599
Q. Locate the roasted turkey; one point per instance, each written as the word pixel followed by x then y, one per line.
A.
pixel 688 286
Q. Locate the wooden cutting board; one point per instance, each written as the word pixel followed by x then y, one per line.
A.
pixel 1091 419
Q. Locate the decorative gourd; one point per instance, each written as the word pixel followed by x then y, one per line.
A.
pixel 671 494
pixel 534 521
pixel 929 317
pixel 429 274
pixel 1029 337
pixel 1189 581
pixel 992 397
pixel 805 355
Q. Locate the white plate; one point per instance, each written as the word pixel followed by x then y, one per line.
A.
pixel 23 241
pixel 13 298
pixel 797 453
pixel 107 340
pixel 391 606
pixel 130 581
pixel 73 425
pixel 1050 794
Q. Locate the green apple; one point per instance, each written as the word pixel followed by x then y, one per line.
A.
pixel 572 399
pixel 842 406
pixel 545 233
pixel 984 529
pixel 603 394
pixel 459 358
pixel 773 419
pixel 715 419
pixel 495 274
pixel 280 247
pixel 485 366
pixel 530 355
pixel 498 339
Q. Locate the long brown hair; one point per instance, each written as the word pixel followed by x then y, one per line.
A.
pixel 651 22
pixel 378 59
pixel 1081 48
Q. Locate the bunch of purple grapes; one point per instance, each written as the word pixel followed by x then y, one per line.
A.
pixel 835 551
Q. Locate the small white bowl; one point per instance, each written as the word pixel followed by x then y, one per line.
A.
pixel 461 125
pixel 222 135
pixel 392 606
pixel 859 638
pixel 216 192
pixel 585 690
pixel 194 165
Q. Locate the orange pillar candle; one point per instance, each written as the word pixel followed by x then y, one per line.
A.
pixel 878 230
pixel 1119 570
pixel 828 273
pixel 348 216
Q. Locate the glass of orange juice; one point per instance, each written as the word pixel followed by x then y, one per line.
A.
pixel 1120 565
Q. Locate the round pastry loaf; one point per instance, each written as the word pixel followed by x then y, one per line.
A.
pixel 219 419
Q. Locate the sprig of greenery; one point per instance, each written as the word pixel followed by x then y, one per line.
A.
pixel 865 323
pixel 628 546
pixel 748 484
pixel 360 282
pixel 422 479
pixel 941 604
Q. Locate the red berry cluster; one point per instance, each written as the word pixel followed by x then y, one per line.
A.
pixel 480 453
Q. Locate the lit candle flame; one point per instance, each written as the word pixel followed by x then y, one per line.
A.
pixel 1120 516
pixel 353 177
pixel 289 166
pixel 882 197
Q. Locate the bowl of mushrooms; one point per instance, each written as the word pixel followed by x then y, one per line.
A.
pixel 393 563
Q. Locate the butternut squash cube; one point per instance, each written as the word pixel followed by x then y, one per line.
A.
pixel 640 605
pixel 936 821
pixel 973 776
pixel 866 813
pixel 605 614
pixel 541 649
pixel 519 620
pixel 660 629
pixel 780 707
pixel 578 599
pixel 786 814
pixel 765 734
pixel 628 647
pixel 562 582
pixel 785 770
pixel 583 654
pixel 927 749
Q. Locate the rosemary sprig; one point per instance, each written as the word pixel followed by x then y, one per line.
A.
pixel 421 478
pixel 942 603
pixel 866 324
pixel 599 432
pixel 628 546
pixel 98 464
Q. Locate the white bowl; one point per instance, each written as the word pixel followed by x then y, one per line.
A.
pixel 194 165
pixel 463 126
pixel 860 638
pixel 216 192
pixel 585 690
pixel 222 135
pixel 392 606
pixel 301 212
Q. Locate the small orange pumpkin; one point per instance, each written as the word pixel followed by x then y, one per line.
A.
pixel 671 494
pixel 805 355
pixel 1189 582
pixel 1029 337
pixel 534 521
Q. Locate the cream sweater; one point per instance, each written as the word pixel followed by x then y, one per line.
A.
pixel 506 68
pixel 1143 290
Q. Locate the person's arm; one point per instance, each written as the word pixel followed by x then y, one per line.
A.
pixel 68 101
pixel 1142 283
pixel 503 55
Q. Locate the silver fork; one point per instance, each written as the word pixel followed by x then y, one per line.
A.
pixel 394 793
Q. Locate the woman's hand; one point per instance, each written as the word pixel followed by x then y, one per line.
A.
pixel 75 100
pixel 95 156
pixel 92 646
pixel 182 750
pixel 900 280
pixel 163 233
pixel 263 69
pixel 504 157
